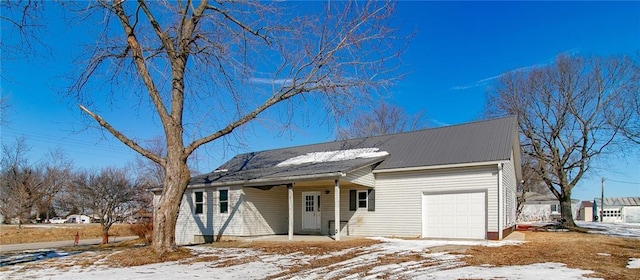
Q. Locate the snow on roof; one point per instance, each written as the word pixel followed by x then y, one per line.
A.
pixel 328 156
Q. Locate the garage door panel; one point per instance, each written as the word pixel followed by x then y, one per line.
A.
pixel 454 215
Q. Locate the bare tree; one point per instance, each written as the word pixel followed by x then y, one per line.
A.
pixel 110 194
pixel 20 26
pixel 385 118
pixel 21 183
pixel 202 66
pixel 57 169
pixel 570 113
pixel 149 172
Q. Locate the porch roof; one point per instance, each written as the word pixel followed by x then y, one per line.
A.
pixel 278 175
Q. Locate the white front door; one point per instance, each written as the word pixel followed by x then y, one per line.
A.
pixel 311 211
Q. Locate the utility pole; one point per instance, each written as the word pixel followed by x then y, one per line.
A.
pixel 601 199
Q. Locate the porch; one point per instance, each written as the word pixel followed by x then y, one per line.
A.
pixel 302 209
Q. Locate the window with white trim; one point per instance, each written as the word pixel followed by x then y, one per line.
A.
pixel 223 199
pixel 198 202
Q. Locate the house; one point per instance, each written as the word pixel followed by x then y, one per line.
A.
pixel 78 219
pixel 544 208
pixel 617 209
pixel 586 212
pixel 448 182
pixel 539 208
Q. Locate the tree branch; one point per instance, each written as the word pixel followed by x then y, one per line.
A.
pixel 124 139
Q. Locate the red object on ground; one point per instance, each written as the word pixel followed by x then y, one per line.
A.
pixel 77 238
pixel 523 227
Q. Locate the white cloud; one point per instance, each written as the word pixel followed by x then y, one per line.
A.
pixel 270 81
pixel 486 81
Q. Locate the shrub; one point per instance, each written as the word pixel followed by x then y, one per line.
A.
pixel 144 230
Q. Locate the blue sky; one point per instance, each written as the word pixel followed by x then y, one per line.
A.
pixel 458 51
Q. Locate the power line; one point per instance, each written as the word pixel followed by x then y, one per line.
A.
pixel 70 142
pixel 623 182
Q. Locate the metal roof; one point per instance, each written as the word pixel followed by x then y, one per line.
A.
pixel 619 201
pixel 482 141
pixel 274 175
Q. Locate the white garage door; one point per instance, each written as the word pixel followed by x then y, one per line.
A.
pixel 454 215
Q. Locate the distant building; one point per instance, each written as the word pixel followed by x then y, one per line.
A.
pixel 618 209
pixel 586 212
pixel 543 208
pixel 78 219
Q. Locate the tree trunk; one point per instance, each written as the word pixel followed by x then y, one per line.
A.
pixel 165 213
pixel 566 211
pixel 105 235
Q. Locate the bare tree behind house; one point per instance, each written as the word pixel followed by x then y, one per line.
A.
pixel 110 194
pixel 385 118
pixel 570 113
pixel 208 68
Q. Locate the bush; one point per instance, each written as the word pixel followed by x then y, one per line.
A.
pixel 144 230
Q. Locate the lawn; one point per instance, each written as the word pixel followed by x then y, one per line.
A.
pixel 552 255
pixel 11 234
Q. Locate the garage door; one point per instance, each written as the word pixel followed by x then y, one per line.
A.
pixel 454 215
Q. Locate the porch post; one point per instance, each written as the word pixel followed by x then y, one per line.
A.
pixel 290 194
pixel 336 208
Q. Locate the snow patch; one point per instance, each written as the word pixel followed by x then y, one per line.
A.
pixel 634 263
pixel 556 271
pixel 395 245
pixel 627 230
pixel 329 156
pixel 604 254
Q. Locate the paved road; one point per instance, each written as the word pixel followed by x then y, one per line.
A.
pixel 58 244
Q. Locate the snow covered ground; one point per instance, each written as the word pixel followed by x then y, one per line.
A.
pixel 418 260
pixel 613 229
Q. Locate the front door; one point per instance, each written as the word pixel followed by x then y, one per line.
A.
pixel 311 211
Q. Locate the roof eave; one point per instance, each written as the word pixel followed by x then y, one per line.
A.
pixel 441 166
pixel 273 181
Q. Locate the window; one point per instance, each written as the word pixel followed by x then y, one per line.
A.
pixel 223 196
pixel 362 199
pixel 308 203
pixel 198 202
pixel 554 208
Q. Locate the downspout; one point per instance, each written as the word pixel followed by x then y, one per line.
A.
pixel 500 202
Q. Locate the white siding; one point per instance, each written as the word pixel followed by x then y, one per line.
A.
pixel 362 176
pixel 189 224
pixel 229 223
pixel 509 183
pixel 631 214
pixel 265 211
pixel 399 199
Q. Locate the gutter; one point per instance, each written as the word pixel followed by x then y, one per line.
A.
pixel 431 167
pixel 272 181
